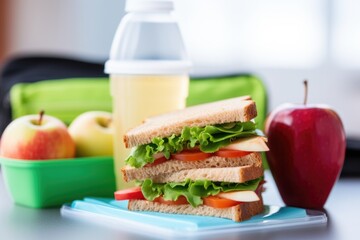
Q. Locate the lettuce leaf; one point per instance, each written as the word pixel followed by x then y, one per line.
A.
pixel 193 191
pixel 209 138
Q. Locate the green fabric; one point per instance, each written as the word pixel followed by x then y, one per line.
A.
pixel 214 89
pixel 67 98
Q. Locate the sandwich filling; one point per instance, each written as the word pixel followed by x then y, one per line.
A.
pixel 195 193
pixel 208 139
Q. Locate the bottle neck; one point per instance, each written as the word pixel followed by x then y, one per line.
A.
pixel 151 12
pixel 149 6
pixel 162 16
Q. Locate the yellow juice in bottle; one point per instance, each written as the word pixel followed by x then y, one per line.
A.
pixel 137 97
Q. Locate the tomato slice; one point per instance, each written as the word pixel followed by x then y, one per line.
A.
pixel 191 155
pixel 156 162
pixel 217 202
pixel 197 155
pixel 227 153
pixel 180 201
pixel 130 193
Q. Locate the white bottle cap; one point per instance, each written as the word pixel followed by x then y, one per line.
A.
pixel 139 67
pixel 149 6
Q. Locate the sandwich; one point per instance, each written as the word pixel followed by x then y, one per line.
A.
pixel 202 160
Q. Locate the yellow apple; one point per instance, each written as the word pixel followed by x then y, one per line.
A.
pixel 93 134
pixel 37 137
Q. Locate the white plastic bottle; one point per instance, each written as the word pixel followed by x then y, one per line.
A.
pixel 148 69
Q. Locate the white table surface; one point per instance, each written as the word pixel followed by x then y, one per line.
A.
pixel 18 222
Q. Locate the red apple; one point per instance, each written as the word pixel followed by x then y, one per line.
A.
pixel 37 137
pixel 307 151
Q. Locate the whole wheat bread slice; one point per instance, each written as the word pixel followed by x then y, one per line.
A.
pixel 170 166
pixel 237 213
pixel 241 109
pixel 227 174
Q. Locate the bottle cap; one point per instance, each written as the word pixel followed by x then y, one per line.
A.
pixel 152 67
pixel 149 6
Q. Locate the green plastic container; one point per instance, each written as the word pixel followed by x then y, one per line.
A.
pixel 50 183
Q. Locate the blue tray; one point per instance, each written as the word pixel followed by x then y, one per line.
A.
pixel 110 212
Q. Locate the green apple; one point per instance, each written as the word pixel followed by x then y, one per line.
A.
pixel 37 137
pixel 93 133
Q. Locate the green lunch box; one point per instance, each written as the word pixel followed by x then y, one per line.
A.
pixel 51 183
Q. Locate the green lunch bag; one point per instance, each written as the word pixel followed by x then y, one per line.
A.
pixel 67 98
pixel 67 87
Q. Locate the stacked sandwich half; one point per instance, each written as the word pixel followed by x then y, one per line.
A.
pixel 202 160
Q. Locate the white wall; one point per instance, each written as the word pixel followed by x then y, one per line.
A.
pixel 72 27
pixel 222 37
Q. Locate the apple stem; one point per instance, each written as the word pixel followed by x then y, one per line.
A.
pixel 109 122
pixel 41 115
pixel 306 91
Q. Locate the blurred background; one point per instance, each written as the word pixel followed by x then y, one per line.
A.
pixel 281 41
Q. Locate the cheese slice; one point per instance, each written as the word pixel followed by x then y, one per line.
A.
pixel 240 196
pixel 253 144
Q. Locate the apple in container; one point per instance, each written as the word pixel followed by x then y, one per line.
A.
pixel 93 133
pixel 37 137
pixel 307 152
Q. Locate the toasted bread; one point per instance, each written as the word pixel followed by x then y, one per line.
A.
pixel 131 173
pixel 241 109
pixel 228 174
pixel 237 213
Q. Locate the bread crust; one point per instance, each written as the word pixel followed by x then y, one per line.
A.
pixel 131 173
pixel 237 213
pixel 229 174
pixel 241 109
